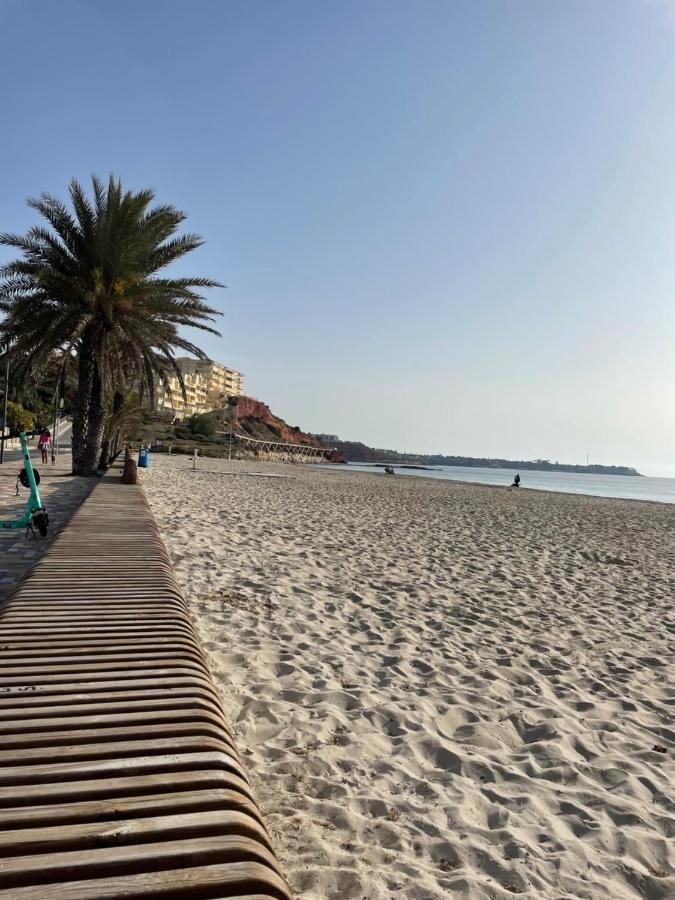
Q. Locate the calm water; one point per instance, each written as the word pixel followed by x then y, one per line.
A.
pixel 630 488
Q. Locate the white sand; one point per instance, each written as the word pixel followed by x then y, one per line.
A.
pixel 441 689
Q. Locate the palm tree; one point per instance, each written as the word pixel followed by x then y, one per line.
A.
pixel 88 286
pixel 123 413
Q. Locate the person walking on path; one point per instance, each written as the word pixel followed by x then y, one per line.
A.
pixel 44 444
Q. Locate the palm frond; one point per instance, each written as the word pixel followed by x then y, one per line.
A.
pixel 90 282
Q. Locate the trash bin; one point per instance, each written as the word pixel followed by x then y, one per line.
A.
pixel 143 458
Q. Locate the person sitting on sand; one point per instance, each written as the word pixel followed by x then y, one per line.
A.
pixel 516 481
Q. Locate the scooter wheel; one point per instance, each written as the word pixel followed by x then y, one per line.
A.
pixel 41 521
pixel 23 477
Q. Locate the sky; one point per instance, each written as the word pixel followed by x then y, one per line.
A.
pixel 444 227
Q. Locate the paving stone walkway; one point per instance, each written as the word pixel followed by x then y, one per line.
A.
pixel 61 493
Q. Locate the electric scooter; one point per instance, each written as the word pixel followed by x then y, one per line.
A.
pixel 35 514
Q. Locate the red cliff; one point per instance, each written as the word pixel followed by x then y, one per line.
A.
pixel 257 420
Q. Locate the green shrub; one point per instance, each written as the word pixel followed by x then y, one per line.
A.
pixel 203 424
pixel 18 418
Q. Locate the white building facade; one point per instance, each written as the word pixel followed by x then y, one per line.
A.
pixel 208 384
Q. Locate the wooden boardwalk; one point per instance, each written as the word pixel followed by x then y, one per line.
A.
pixel 118 776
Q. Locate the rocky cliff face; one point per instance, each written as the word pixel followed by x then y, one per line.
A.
pixel 256 419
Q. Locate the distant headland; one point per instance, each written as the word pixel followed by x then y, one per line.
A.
pixel 355 451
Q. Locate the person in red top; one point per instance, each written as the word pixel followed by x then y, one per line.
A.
pixel 44 444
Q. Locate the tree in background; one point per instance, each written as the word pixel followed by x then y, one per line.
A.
pixel 124 413
pixel 201 425
pixel 18 418
pixel 44 389
pixel 88 285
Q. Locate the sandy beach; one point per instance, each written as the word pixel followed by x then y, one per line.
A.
pixel 440 689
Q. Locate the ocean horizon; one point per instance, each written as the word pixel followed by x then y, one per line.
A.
pixel 621 487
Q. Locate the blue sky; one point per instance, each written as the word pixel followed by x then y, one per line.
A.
pixel 444 226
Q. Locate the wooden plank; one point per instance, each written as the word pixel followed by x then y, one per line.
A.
pixel 166 735
pixel 50 773
pixel 136 567
pixel 93 594
pixel 93 835
pixel 75 704
pixel 113 809
pixel 119 860
pixel 67 601
pixel 248 881
pixel 86 646
pixel 183 680
pixel 107 563
pixel 30 681
pixel 87 606
pixel 117 654
pixel 30 729
pixel 14 632
pixel 106 788
pixel 118 749
pixel 81 590
pixel 154 613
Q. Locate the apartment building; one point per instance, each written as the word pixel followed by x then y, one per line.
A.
pixel 221 382
pixel 207 386
pixel 195 401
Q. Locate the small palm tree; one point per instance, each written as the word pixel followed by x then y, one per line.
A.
pixel 123 413
pixel 88 286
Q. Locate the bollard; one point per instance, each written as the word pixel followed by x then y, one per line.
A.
pixel 129 473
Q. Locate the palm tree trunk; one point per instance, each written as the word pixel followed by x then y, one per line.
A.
pixel 86 368
pixel 111 431
pixel 105 453
pixel 114 446
pixel 95 426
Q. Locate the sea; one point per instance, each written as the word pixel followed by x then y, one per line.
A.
pixel 627 487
